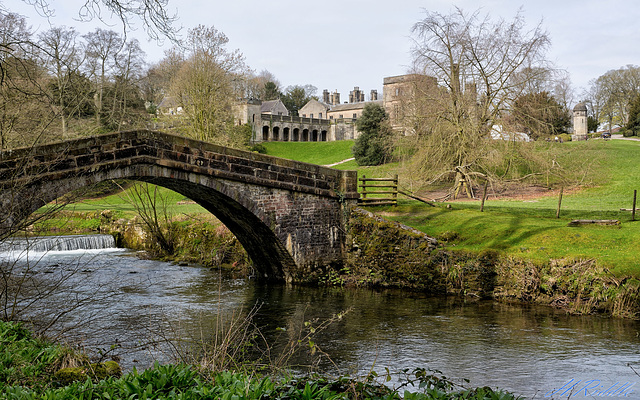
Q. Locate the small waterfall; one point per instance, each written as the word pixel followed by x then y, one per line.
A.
pixel 43 244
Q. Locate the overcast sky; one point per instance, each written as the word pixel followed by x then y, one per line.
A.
pixel 339 44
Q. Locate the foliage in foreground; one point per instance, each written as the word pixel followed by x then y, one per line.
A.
pixel 28 367
pixel 26 360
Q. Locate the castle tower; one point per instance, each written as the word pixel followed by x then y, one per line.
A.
pixel 579 122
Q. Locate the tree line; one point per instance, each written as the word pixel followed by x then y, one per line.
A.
pixel 59 84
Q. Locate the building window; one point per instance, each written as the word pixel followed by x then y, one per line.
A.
pixel 355 115
pixel 340 116
pixel 331 117
pixel 304 115
pixel 320 115
pixel 310 115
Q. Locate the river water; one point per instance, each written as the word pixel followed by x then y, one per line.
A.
pixel 120 304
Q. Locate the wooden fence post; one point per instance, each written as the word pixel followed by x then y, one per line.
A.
pixel 559 203
pixel 633 209
pixel 484 195
pixel 364 188
pixel 395 190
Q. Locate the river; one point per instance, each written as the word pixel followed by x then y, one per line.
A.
pixel 119 304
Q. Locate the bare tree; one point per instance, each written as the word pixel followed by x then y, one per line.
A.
pixel 263 86
pixel 206 85
pixel 25 112
pixel 127 106
pixel 102 49
pixel 611 94
pixel 153 14
pixel 478 67
pixel 62 57
pixel 157 79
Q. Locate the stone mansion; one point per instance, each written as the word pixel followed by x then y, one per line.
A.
pixel 319 121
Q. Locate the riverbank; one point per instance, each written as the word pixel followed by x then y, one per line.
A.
pixel 389 254
pixel 32 368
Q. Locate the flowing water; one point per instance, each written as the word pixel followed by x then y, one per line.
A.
pixel 130 305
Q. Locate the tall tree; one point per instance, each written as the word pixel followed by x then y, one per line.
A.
pixel 372 145
pixel 480 66
pixel 102 49
pixel 271 91
pixel 296 96
pixel 126 103
pixel 612 93
pixel 24 109
pixel 206 87
pixel 540 115
pixel 62 57
pixel 632 128
pixel 156 82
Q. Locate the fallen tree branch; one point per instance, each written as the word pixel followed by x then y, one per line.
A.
pixel 416 197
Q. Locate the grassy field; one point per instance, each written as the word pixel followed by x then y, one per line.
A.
pixel 529 229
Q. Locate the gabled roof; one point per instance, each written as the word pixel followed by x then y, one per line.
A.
pixel 272 105
pixel 313 102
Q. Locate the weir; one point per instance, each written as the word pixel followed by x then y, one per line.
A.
pixel 41 244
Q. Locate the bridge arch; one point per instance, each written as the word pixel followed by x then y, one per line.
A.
pixel 287 215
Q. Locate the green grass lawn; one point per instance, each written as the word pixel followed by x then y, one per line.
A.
pixel 529 228
pixel 322 153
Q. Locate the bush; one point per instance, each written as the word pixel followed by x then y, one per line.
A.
pixel 371 147
pixel 258 148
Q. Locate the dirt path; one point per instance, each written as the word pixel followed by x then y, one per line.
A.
pixel 339 162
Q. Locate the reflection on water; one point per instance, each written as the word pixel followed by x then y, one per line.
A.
pixel 529 350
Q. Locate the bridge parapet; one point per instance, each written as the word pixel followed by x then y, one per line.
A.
pixel 49 161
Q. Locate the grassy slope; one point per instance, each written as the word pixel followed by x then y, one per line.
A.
pixel 529 229
pixel 322 153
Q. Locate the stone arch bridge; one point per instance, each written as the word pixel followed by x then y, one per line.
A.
pixel 288 215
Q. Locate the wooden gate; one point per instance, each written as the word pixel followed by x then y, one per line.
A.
pixel 378 191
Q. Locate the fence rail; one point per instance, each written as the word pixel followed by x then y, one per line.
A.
pixel 383 190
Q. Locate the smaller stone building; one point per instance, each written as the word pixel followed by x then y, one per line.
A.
pixel 580 130
pixel 274 107
pixel 314 109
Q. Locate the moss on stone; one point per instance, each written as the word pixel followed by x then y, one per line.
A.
pixel 95 372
